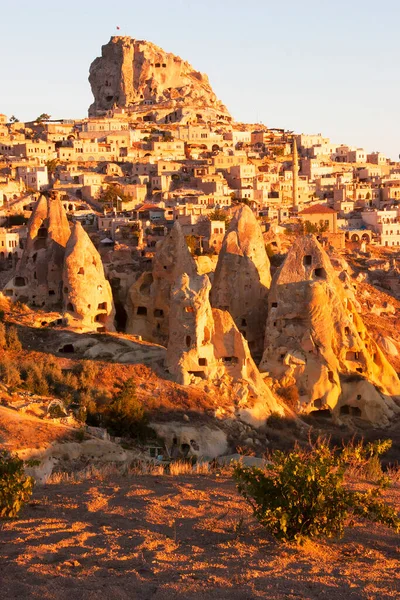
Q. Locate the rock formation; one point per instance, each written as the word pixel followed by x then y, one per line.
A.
pixel 182 440
pixel 206 348
pixel 242 278
pixel 138 75
pixel 38 279
pixel 148 301
pixel 315 340
pixel 88 301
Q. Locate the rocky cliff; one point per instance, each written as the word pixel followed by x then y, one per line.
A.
pixel 148 299
pixel 316 341
pixel 138 74
pixel 205 348
pixel 242 278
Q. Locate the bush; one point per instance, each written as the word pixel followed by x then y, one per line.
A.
pixel 125 415
pixel 9 372
pixel 15 486
pixel 302 494
pixel 290 395
pixel 13 342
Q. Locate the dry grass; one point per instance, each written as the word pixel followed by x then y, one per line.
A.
pixel 137 468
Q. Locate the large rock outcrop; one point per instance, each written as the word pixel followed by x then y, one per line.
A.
pixel 148 301
pixel 315 340
pixel 205 348
pixel 38 279
pixel 242 278
pixel 88 302
pixel 138 75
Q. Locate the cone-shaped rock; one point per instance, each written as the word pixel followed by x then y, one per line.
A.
pixel 206 348
pixel 38 280
pixel 148 301
pixel 316 340
pixel 88 302
pixel 242 278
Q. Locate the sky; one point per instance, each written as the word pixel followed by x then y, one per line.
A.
pixel 316 66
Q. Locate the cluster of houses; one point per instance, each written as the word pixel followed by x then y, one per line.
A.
pixel 135 179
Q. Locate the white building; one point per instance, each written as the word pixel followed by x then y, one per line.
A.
pixel 386 223
pixel 35 178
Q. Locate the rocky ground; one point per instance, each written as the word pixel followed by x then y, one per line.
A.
pixel 164 537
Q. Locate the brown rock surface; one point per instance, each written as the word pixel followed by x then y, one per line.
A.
pixel 316 340
pixel 38 279
pixel 88 301
pixel 205 348
pixel 148 301
pixel 136 72
pixel 242 278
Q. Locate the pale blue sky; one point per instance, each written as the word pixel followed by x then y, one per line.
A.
pixel 312 66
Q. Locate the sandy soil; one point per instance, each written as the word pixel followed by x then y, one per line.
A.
pixel 187 537
pixel 20 430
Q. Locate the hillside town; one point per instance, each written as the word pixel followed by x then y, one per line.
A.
pixel 133 180
pixel 182 294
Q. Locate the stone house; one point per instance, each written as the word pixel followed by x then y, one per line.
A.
pixel 320 215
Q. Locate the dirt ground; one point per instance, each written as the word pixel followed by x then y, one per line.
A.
pixel 186 538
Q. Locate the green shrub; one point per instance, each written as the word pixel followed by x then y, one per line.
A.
pixel 13 342
pixel 302 494
pixel 126 415
pixel 9 372
pixel 15 486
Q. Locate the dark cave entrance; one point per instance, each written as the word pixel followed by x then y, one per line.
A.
pixel 121 317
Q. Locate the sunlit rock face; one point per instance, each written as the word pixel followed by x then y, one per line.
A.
pixel 87 296
pixel 148 300
pixel 137 74
pixel 205 348
pixel 38 279
pixel 242 278
pixel 315 340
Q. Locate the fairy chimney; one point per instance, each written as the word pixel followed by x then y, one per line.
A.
pixel 88 302
pixel 242 278
pixel 38 279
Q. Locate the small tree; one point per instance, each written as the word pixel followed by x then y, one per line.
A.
pixel 126 415
pixel 13 342
pixel 302 494
pixel 42 117
pixel 15 486
pixel 113 194
pixel 51 165
pixel 191 242
pixel 218 215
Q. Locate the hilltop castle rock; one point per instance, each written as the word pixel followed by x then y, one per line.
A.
pixel 205 348
pixel 88 301
pixel 148 300
pixel 38 280
pixel 242 278
pixel 315 340
pixel 141 77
